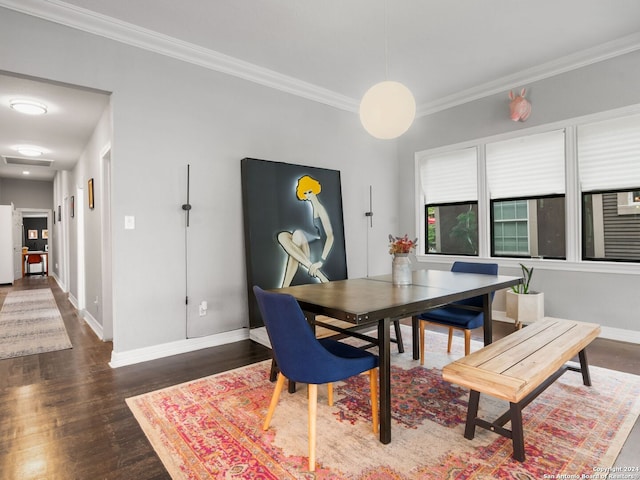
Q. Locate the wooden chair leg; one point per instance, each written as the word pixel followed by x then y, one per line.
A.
pixel 422 329
pixel 313 411
pixel 450 340
pixel 274 400
pixel 467 342
pixel 373 387
pixel 330 394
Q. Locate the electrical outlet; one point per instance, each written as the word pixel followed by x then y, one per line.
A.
pixel 202 309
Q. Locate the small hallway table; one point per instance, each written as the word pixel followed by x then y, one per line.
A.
pixel 45 267
pixel 375 300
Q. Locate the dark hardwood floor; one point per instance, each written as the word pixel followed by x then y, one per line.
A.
pixel 63 414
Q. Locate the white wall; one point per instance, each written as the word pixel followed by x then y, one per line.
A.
pixel 167 114
pixel 586 291
pixel 88 166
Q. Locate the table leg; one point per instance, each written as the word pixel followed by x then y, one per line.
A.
pixel 488 320
pixel 384 346
pixel 415 336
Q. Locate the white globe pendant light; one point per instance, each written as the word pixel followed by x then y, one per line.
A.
pixel 387 110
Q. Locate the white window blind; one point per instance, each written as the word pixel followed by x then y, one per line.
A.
pixel 609 154
pixel 450 177
pixel 527 166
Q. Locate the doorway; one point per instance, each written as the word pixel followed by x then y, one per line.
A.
pixel 31 231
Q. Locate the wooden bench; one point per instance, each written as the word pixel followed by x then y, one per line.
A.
pixel 517 368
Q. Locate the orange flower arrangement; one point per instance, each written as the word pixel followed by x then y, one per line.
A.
pixel 401 244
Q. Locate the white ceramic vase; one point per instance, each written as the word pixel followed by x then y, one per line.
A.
pixel 401 269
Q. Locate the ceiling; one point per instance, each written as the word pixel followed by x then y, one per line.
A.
pixel 445 51
pixel 62 132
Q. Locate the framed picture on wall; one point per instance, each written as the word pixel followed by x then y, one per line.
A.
pixel 33 234
pixel 90 188
pixel 291 211
pixel 72 206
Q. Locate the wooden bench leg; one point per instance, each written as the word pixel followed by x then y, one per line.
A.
pixel 517 432
pixel 584 367
pixel 472 414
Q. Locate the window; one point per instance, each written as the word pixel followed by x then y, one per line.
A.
pixel 532 167
pixel 450 191
pixel 511 227
pixel 452 228
pixel 609 234
pixel 572 193
pixel 533 227
pixel 609 162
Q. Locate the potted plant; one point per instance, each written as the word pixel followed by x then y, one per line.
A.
pixel 524 305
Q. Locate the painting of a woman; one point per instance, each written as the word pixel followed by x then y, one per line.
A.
pixel 309 249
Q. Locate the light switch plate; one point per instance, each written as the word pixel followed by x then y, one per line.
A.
pixel 129 222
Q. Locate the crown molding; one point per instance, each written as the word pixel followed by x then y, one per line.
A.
pixel 91 22
pixel 565 64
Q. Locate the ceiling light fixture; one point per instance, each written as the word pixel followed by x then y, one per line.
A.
pixel 28 106
pixel 388 108
pixel 29 150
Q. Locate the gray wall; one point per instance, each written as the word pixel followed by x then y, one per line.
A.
pixel 166 114
pixel 26 193
pixel 578 291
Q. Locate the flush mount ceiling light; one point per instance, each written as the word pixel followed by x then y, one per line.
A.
pixel 388 108
pixel 29 150
pixel 28 106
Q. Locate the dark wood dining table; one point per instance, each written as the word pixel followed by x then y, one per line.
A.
pixel 375 300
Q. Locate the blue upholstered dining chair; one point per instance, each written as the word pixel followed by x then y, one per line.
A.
pixel 467 316
pixel 301 357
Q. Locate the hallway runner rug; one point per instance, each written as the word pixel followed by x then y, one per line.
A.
pixel 211 427
pixel 30 323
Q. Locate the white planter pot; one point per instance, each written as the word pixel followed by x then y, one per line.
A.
pixel 525 308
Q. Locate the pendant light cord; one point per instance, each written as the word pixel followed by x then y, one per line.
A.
pixel 386 43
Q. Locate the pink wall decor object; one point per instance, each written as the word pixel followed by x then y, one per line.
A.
pixel 520 107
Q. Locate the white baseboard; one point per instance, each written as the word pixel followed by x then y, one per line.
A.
pixel 73 300
pixel 62 286
pixel 120 359
pixel 610 333
pixel 93 323
pixel 259 335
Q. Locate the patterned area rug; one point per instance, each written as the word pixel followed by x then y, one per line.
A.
pixel 211 427
pixel 30 323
